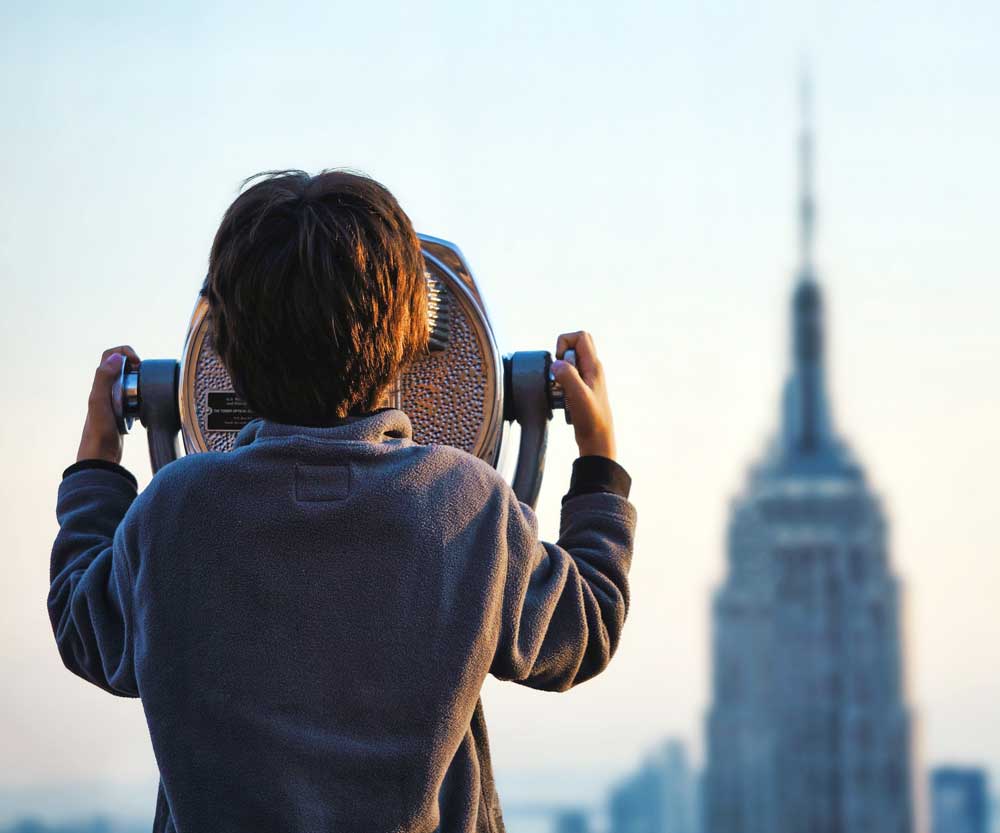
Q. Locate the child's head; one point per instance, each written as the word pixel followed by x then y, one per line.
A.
pixel 317 295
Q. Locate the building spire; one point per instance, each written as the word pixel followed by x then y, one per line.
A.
pixel 807 424
pixel 807 203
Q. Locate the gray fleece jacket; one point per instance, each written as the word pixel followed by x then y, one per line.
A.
pixel 309 620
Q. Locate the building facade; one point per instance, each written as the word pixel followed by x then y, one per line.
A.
pixel 809 728
pixel 959 800
pixel 658 798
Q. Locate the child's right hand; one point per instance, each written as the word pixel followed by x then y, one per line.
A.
pixel 586 395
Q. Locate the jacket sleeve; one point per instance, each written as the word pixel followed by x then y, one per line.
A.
pixel 564 604
pixel 90 582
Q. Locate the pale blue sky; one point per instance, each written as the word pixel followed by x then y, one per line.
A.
pixel 628 168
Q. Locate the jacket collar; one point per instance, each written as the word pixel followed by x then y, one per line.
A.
pixel 379 426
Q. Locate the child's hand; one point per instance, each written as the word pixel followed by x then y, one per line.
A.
pixel 586 395
pixel 101 440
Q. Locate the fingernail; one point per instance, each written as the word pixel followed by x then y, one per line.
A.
pixel 113 359
pixel 557 364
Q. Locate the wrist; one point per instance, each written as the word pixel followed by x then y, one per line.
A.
pixel 90 455
pixel 603 448
pixel 90 451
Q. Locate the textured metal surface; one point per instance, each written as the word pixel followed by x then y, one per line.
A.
pixel 446 393
pixel 452 395
pixel 210 376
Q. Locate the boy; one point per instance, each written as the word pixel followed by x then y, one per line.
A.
pixel 309 618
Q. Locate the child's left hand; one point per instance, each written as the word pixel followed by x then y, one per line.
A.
pixel 101 440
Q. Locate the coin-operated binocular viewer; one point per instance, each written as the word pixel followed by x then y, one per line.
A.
pixel 460 394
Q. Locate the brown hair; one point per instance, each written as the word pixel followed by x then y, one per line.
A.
pixel 316 294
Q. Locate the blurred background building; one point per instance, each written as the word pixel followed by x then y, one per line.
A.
pixel 960 801
pixel 658 798
pixel 809 728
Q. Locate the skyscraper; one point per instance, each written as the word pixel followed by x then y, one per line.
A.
pixel 959 800
pixel 808 729
pixel 658 798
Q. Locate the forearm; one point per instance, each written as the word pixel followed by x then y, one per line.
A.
pixel 598 534
pixel 93 498
pixel 597 530
pixel 89 587
pixel 566 603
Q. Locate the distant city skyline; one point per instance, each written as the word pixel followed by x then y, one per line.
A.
pixel 636 801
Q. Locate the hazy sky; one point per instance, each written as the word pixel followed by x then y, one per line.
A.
pixel 624 167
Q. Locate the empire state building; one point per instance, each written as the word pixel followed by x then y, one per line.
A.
pixel 809 729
